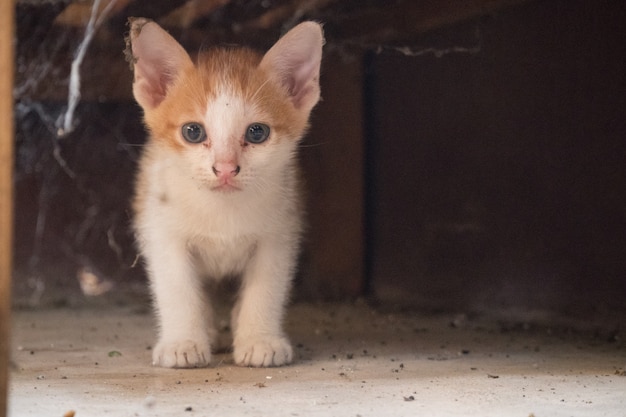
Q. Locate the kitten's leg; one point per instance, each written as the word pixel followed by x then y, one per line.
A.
pixel 257 317
pixel 183 311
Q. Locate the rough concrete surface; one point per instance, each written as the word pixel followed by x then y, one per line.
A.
pixel 350 360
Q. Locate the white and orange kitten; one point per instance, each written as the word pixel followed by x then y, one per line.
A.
pixel 217 193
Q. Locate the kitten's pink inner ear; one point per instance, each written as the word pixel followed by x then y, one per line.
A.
pixel 295 59
pixel 158 59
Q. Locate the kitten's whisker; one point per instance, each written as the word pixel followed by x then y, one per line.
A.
pixel 132 145
pixel 204 45
pixel 258 90
pixel 313 145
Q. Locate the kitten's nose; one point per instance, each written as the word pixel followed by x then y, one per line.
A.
pixel 226 169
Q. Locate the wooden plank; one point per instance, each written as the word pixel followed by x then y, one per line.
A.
pixel 190 12
pixel 404 20
pixel 359 24
pixel 78 14
pixel 6 190
pixel 333 161
pixel 143 8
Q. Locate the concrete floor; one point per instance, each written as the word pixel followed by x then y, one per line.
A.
pixel 350 361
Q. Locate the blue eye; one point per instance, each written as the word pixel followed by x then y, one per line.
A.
pixel 257 133
pixel 193 132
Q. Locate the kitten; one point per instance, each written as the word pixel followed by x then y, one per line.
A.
pixel 217 192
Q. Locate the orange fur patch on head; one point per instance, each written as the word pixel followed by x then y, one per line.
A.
pixel 184 102
pixel 223 71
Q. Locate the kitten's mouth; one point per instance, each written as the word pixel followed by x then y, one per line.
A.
pixel 225 187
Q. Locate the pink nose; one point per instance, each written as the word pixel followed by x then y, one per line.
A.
pixel 226 169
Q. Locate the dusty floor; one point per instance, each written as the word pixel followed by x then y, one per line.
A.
pixel 350 361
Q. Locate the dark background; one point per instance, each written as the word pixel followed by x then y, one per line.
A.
pixel 499 175
pixel 472 165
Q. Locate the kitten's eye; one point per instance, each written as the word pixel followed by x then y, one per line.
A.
pixel 193 132
pixel 257 133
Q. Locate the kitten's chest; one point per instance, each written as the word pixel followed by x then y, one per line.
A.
pixel 219 258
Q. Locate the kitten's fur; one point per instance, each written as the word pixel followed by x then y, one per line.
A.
pixel 223 206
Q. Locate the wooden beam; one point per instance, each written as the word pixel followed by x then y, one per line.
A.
pixel 332 156
pixel 192 11
pixel 6 191
pixel 78 14
pixel 143 8
pixel 364 26
pixel 378 25
pixel 278 16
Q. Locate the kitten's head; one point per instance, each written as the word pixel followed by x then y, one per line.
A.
pixel 233 118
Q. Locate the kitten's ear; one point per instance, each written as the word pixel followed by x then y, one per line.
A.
pixel 295 59
pixel 157 59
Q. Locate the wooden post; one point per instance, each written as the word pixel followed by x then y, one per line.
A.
pixel 333 161
pixel 6 190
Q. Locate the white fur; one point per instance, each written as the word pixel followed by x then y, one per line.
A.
pixel 189 230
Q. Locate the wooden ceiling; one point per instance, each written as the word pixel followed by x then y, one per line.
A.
pixel 50 31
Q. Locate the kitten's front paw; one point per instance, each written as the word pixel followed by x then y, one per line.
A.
pixel 263 351
pixel 181 354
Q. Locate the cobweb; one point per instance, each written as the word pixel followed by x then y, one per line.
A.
pixel 61 212
pixel 66 121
